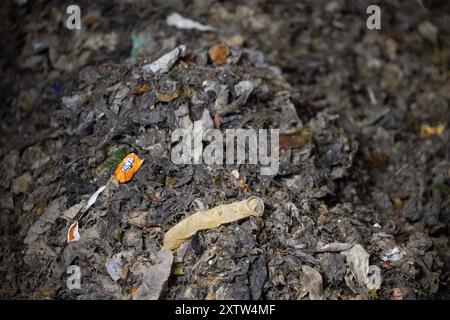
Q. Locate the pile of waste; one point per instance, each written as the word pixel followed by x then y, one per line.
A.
pixel 90 181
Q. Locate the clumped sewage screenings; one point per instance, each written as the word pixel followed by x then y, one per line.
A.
pixel 358 207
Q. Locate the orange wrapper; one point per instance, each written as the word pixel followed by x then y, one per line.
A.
pixel 128 167
pixel 72 234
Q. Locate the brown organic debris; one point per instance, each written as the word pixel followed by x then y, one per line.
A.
pixel 219 53
pixel 297 139
pixel 166 97
pixel 140 89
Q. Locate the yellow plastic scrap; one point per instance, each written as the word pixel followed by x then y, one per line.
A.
pixel 212 218
pixel 427 131
pixel 128 167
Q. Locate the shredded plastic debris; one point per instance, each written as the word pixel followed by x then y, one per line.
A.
pixel 177 20
pixel 93 199
pixel 358 264
pixel 72 233
pixel 155 277
pixel 374 278
pixel 166 62
pixel 115 268
pixel 394 255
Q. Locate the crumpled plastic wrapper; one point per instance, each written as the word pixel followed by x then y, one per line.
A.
pixel 365 275
pixel 73 233
pixel 128 167
pixel 165 62
pixel 212 218
pixel 115 268
pixel 312 283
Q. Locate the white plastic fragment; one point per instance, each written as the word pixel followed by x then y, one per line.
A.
pixel 114 267
pixel 243 90
pixel 93 198
pixel 244 87
pixel 73 234
pixel 165 62
pixel 394 255
pixel 178 21
pixel 358 264
pixel 334 247
pixel 374 278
